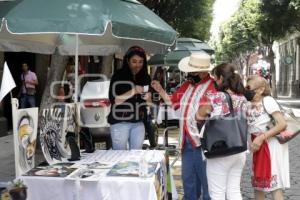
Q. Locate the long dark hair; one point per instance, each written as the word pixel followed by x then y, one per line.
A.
pixel 132 51
pixel 231 80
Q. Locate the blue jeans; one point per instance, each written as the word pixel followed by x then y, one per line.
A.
pixel 27 101
pixel 193 173
pixel 124 132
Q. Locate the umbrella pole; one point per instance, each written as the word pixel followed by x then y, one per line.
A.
pixel 77 129
pixel 76 70
pixel 166 109
pixel 180 76
pixel 169 184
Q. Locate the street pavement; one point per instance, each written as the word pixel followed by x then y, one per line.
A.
pixel 7 164
pixel 289 102
pixel 292 193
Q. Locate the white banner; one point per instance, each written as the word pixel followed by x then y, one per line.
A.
pixel 55 123
pixel 7 83
pixel 25 123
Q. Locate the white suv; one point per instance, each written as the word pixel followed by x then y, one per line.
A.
pixel 94 109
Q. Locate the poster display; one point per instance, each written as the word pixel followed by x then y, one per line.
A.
pixel 55 123
pixel 57 170
pixel 25 124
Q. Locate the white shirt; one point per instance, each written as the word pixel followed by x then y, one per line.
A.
pixel 259 118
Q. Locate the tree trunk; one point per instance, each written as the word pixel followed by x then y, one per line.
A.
pixel 57 68
pixel 3 121
pixel 271 57
pixel 248 64
pixel 106 68
pixel 1 69
pixel 241 63
pixel 1 60
pixel 1 74
pixel 42 63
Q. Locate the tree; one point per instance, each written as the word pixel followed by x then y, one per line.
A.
pixel 279 17
pixel 190 18
pixel 296 5
pixel 260 23
pixel 239 35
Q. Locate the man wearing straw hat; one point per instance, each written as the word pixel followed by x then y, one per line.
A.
pixel 188 97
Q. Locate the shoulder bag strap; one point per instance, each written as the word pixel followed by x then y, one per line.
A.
pixel 280 108
pixel 263 104
pixel 229 101
pixel 270 116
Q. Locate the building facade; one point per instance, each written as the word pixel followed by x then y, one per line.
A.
pixel 287 60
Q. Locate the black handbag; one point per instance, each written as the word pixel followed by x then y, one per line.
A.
pixel 225 135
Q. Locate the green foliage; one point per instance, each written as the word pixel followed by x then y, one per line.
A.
pixel 279 17
pixel 240 34
pixel 257 23
pixel 191 18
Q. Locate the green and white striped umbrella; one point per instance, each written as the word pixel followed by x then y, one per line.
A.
pixel 81 27
pixel 103 27
pixel 184 48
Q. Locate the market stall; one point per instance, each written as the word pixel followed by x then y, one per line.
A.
pixel 101 175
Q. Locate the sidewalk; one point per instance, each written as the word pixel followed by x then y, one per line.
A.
pixel 7 164
pixel 293 104
pixel 289 102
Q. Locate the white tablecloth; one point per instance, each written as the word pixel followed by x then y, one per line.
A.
pixel 172 114
pixel 106 188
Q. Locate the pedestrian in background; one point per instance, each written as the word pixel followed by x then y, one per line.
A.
pixel 28 87
pixel 270 158
pixel 224 173
pixel 128 93
pixel 188 97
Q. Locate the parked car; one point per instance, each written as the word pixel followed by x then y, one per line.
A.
pixel 94 109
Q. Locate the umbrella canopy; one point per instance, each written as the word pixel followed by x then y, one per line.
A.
pixel 184 48
pixel 103 27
